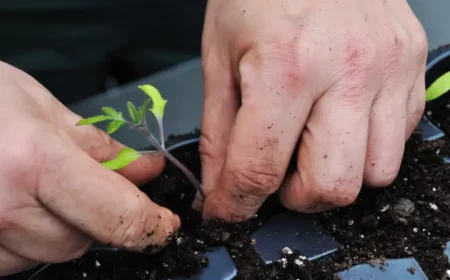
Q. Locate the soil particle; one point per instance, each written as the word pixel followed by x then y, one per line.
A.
pixel 404 207
pixel 438 111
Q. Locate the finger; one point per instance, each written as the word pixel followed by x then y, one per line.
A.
pixel 392 121
pixel 386 136
pixel 11 263
pixel 262 140
pixel 415 105
pixel 102 147
pixel 332 152
pixel 36 234
pixel 415 52
pixel 102 203
pixel 220 105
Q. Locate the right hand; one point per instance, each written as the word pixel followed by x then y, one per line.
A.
pixel 55 197
pixel 341 81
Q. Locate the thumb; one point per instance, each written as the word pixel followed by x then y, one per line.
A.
pixel 101 203
pixel 102 147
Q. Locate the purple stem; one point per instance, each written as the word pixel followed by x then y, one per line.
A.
pixel 174 160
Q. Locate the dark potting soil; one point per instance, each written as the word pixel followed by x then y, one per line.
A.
pixel 438 111
pixel 410 218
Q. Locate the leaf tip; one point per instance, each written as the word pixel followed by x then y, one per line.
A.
pixel 158 101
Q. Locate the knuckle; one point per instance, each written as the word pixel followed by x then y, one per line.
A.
pixel 393 54
pixel 381 172
pixel 130 228
pixel 288 61
pixel 399 42
pixel 359 56
pixel 100 148
pixel 357 64
pixel 420 45
pixel 105 139
pixel 257 178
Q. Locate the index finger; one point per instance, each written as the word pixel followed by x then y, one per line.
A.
pixel 102 147
pixel 265 133
pixel 100 202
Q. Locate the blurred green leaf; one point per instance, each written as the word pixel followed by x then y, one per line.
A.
pixel 113 113
pixel 134 115
pixel 122 160
pixel 94 119
pixel 114 126
pixel 143 109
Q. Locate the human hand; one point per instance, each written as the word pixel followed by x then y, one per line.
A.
pixel 55 197
pixel 342 80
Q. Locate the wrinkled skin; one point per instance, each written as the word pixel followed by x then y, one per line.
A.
pixel 55 197
pixel 341 80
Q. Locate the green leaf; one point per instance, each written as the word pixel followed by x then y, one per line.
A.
pixel 113 113
pixel 94 119
pixel 158 103
pixel 122 160
pixel 143 109
pixel 438 87
pixel 134 115
pixel 114 126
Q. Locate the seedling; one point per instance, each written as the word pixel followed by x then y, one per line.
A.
pixel 139 123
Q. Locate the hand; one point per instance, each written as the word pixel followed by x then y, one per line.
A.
pixel 342 80
pixel 55 197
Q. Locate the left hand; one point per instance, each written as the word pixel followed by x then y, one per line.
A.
pixel 345 77
pixel 55 196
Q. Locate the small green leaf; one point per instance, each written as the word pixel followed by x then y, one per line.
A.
pixel 122 160
pixel 114 126
pixel 158 103
pixel 143 109
pixel 113 113
pixel 134 115
pixel 438 87
pixel 94 119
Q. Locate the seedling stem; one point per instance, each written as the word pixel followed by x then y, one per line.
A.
pixel 138 122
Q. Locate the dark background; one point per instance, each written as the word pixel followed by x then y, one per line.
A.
pixel 77 48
